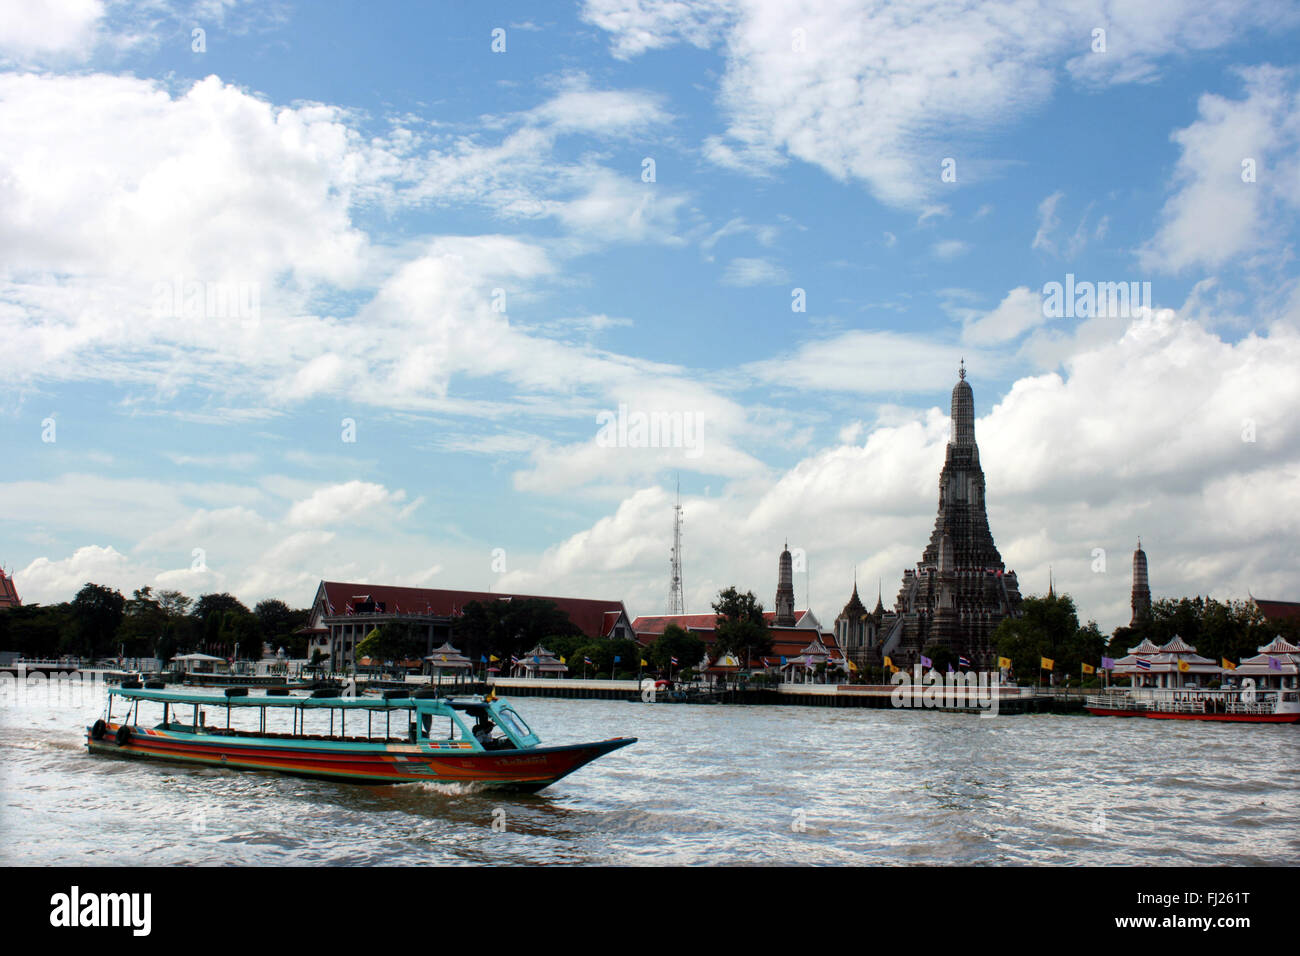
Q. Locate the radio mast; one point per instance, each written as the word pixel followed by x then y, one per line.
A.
pixel 675 602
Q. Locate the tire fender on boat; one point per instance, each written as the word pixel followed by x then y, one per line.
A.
pixel 123 735
pixel 97 731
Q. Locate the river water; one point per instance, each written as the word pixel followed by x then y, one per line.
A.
pixel 704 785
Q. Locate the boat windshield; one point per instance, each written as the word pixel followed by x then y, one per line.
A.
pixel 513 722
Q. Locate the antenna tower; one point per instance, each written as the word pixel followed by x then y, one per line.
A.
pixel 675 602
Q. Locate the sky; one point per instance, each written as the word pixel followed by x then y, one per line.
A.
pixel 395 292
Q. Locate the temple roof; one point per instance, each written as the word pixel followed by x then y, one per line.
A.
pixel 8 593
pixel 1146 647
pixel 1178 646
pixel 1279 645
pixel 855 608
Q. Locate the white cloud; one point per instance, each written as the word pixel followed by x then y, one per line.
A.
pixel 869 92
pixel 39 29
pixel 1019 311
pixel 342 503
pixel 1263 130
pixel 746 272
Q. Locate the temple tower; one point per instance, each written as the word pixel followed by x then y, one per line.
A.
pixel 785 590
pixel 1141 596
pixel 960 590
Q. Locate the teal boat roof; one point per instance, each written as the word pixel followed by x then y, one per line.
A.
pixel 291 700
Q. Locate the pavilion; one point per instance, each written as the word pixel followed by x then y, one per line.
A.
pixel 1173 665
pixel 1275 667
pixel 539 662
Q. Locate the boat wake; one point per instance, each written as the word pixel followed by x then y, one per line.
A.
pixel 459 789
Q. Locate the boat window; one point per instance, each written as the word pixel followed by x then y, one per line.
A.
pixel 513 722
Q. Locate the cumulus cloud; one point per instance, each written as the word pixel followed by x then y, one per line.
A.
pixel 1144 434
pixel 1021 310
pixel 1237 169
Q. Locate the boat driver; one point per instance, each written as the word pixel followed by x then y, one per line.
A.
pixel 483 730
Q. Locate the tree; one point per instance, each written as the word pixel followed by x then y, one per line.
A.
pixel 509 627
pixel 174 603
pixel 740 627
pixel 212 604
pixel 1048 627
pixel 675 642
pixel 96 612
pixel 1231 629
pixel 143 624
pixel 35 630
pixel 941 657
pixel 276 623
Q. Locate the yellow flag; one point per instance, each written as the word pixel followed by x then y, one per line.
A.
pixel 890 664
pixel 493 658
pixel 1184 666
pixel 1046 663
pixel 1228 665
pixel 644 662
pixel 1088 668
pixel 1004 662
pixel 563 661
pixel 852 666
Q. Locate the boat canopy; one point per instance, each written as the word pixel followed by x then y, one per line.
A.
pixel 290 700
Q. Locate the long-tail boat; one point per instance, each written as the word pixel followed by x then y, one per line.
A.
pixel 402 737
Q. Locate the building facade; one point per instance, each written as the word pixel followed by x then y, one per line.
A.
pixel 343 614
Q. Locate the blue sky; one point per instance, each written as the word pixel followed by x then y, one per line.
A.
pixel 456 250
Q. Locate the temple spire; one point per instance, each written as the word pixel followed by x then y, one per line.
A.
pixel 1140 597
pixel 963 410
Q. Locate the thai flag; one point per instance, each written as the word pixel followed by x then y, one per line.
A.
pixel 674 661
pixel 963 662
pixel 586 660
pixel 513 659
pixel 1143 664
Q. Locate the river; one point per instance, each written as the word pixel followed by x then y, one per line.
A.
pixel 704 785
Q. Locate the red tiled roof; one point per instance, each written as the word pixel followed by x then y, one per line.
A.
pixel 1278 610
pixel 655 624
pixel 8 593
pixel 591 617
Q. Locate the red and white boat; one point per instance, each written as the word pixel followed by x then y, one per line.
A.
pixel 1247 705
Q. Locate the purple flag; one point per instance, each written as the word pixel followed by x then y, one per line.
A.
pixel 926 662
pixel 1274 664
pixel 1108 663
pixel 949 668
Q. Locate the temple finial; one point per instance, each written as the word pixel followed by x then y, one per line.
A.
pixel 961 371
